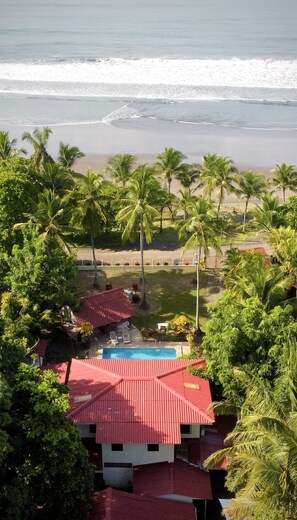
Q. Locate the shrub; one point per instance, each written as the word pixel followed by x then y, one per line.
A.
pixel 86 331
pixel 181 324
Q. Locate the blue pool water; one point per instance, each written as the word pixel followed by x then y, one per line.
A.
pixel 139 353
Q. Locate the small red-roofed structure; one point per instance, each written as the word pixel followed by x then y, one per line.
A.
pixel 104 308
pixel 214 437
pixel 112 504
pixel 172 480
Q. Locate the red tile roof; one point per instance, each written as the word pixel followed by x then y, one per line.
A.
pixel 41 347
pixel 213 440
pixel 134 401
pixel 178 478
pixel 118 505
pixel 104 308
pixel 260 250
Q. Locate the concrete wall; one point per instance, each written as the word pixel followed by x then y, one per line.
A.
pixel 195 432
pixel 135 454
pixel 84 430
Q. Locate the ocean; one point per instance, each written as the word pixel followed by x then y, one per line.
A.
pixel 210 63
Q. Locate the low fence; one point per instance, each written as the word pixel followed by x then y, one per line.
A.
pixel 214 262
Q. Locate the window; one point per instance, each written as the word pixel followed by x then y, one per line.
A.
pixel 116 447
pixel 153 447
pixel 92 428
pixel 185 428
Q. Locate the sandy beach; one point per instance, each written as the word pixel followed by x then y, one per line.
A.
pixel 145 138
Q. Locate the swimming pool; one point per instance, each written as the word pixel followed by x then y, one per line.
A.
pixel 139 353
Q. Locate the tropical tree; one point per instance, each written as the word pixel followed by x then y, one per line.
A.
pixel 268 215
pixel 90 213
pixel 285 178
pixel 248 276
pixel 170 164
pixel 189 176
pixel 262 449
pixel 251 184
pixel 56 178
pixel 50 220
pixel 185 200
pixel 284 244
pixel 121 167
pixel 7 147
pixel 39 140
pixel 218 173
pixel 202 230
pixel 138 212
pixel 68 155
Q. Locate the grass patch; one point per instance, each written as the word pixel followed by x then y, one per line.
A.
pixel 170 292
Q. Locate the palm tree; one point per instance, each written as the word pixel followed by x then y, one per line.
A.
pixel 38 141
pixel 138 212
pixel 204 229
pixel 68 155
pixel 170 165
pixel 49 220
pixel 251 278
pixel 285 178
pixel 189 176
pixel 89 212
pixel 218 172
pixel 284 244
pixel 7 147
pixel 56 178
pixel 267 215
pixel 262 449
pixel 120 166
pixel 251 184
pixel 185 199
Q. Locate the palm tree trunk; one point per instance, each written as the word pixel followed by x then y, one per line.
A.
pixel 161 220
pixel 96 281
pixel 197 262
pixel 244 214
pixel 284 194
pixel 143 304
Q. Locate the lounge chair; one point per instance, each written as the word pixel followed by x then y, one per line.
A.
pixel 126 337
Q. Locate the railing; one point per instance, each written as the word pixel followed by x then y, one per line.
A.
pixel 215 262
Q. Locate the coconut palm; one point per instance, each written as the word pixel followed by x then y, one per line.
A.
pixel 185 199
pixel 138 212
pixel 284 244
pixel 7 147
pixel 68 155
pixel 49 220
pixel 218 173
pixel 202 229
pixel 285 178
pixel 88 209
pixel 170 164
pixel 39 140
pixel 262 449
pixel 189 176
pixel 251 184
pixel 267 216
pixel 56 178
pixel 252 278
pixel 121 166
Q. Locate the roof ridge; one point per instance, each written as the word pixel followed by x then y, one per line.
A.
pixel 182 367
pixel 91 296
pixel 186 401
pixel 85 404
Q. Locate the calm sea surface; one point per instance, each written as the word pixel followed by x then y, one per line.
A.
pixel 206 62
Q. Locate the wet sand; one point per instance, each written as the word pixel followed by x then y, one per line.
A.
pixel 145 138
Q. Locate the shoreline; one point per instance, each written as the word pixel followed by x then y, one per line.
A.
pixel 145 138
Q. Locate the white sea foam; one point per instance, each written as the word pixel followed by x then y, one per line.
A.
pixel 157 77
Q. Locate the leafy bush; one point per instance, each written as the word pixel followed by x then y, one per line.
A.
pixel 181 324
pixel 86 331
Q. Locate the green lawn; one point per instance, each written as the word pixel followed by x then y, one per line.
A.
pixel 170 292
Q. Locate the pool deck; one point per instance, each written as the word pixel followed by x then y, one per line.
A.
pixel 98 343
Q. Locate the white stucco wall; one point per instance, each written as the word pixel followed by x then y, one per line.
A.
pixel 137 454
pixel 195 432
pixel 84 430
pixel 179 498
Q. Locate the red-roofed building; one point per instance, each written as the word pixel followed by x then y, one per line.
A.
pixel 105 308
pixel 118 505
pixel 214 437
pixel 172 481
pixel 137 412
